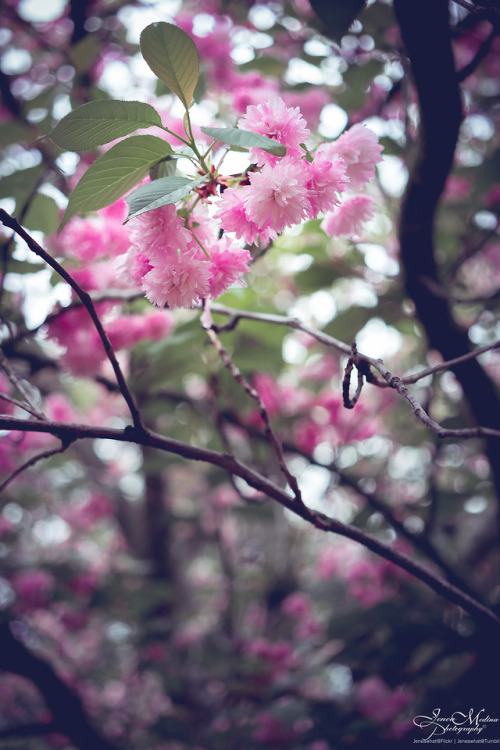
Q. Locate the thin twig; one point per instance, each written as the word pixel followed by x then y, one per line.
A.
pixel 19 385
pixel 207 324
pixel 101 295
pixel 24 407
pixel 34 460
pixel 10 222
pixel 389 380
pixel 419 411
pixel 419 541
pixel 410 379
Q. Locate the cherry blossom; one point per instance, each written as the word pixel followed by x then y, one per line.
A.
pixel 275 120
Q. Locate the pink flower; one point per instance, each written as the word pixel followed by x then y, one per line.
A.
pixel 59 408
pixel 277 196
pixel 360 149
pixel 378 702
pixel 233 216
pixel 349 218
pixel 133 266
pixel 366 582
pixel 297 605
pixel 96 236
pixel 250 89
pixel 229 263
pixel 85 583
pixel 179 281
pixel 87 513
pixel 275 120
pixel 326 178
pixel 154 233
pixel 5 526
pixel 271 731
pixel 33 587
pixel 126 330
pixel 310 101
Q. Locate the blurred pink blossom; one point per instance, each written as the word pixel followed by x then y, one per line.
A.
pixel 361 151
pixel 33 587
pixel 349 218
pixel 376 700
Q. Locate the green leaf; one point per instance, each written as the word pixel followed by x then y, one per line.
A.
pixel 20 182
pixel 159 193
pixel 85 52
pixel 14 131
pixel 42 215
pixel 165 168
pixel 246 139
pixel 172 56
pixel 100 122
pixel 115 173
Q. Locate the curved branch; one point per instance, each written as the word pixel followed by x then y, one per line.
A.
pixel 426 34
pixel 34 460
pixel 68 714
pixel 10 222
pixel 143 436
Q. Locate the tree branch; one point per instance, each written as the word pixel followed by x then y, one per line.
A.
pixel 34 460
pixel 10 222
pixel 429 49
pixel 362 360
pixel 255 396
pixel 143 436
pixel 68 714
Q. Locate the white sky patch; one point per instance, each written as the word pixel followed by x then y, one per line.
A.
pixel 41 12
pixel 262 17
pixel 354 291
pixel 479 126
pixel 15 61
pixel 242 54
pixel 323 306
pixel 316 48
pixel 333 120
pixel 136 19
pixel 377 259
pixel 203 24
pixel 393 176
pixel 53 530
pixel 40 296
pixel 117 79
pixel 314 482
pixel 300 71
pixel 294 353
pixel 378 340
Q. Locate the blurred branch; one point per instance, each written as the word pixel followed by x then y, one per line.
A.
pixel 419 541
pixel 482 52
pixel 409 379
pixel 19 385
pixel 86 300
pixel 207 324
pixel 146 437
pixel 429 48
pixel 364 362
pixel 67 710
pixel 34 460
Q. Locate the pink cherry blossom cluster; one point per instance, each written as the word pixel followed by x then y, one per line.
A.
pixel 177 265
pixel 295 187
pixel 179 262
